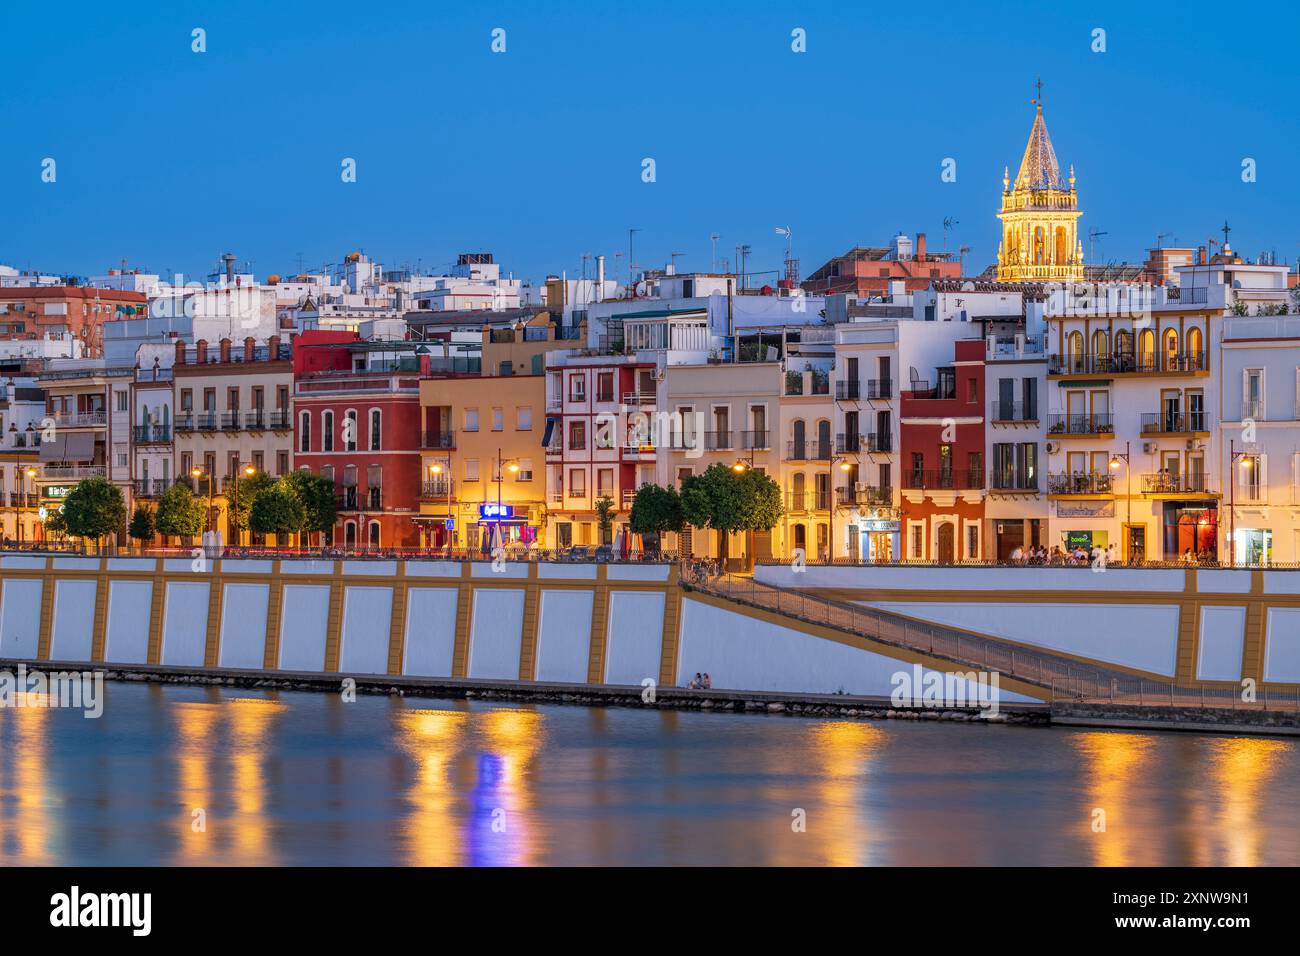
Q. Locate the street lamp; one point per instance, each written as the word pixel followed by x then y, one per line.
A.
pixel 1247 462
pixel 197 473
pixel 250 471
pixel 436 469
pixel 18 505
pixel 1115 460
pixel 846 467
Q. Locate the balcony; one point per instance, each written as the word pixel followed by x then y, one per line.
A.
pixel 1174 423
pixel 1010 480
pixel 638 449
pixel 1080 426
pixel 941 480
pixel 80 419
pixel 256 420
pixel 373 500
pixel 1080 484
pixel 1006 413
pixel 870 443
pixel 808 450
pixel 754 441
pixel 864 495
pixel 230 421
pixel 151 487
pixel 347 501
pixel 555 449
pixel 439 439
pixel 879 389
pixel 803 501
pixel 717 441
pixel 279 420
pixel 638 398
pixel 1129 363
pixel 74 472
pixel 152 434
pixel 848 391
pixel 1164 484
pixel 437 488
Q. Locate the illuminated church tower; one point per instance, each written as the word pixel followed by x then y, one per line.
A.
pixel 1040 215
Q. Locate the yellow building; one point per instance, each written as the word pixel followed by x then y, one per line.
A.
pixel 1039 214
pixel 482 456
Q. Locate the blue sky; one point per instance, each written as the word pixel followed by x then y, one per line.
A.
pixel 169 158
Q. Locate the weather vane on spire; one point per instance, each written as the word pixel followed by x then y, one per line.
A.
pixel 1038 100
pixel 1226 230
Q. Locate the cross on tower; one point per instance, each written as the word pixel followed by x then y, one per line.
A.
pixel 1038 100
pixel 1225 231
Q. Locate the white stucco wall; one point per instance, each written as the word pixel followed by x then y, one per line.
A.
pixel 73 632
pixel 243 625
pixel 973 578
pixel 185 623
pixel 635 640
pixel 564 635
pixel 367 622
pixel 127 640
pixel 430 638
pixel 496 633
pixel 20 618
pixel 741 653
pixel 1140 636
pixel 1282 645
pixel 303 619
pixel 1222 634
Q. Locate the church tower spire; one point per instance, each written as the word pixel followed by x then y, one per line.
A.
pixel 1040 213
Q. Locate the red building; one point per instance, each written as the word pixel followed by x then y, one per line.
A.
pixel 942 460
pixel 868 270
pixel 357 422
pixel 76 311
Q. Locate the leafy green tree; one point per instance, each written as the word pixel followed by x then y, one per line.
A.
pixel 142 527
pixel 316 495
pixel 94 508
pixel 179 513
pixel 656 510
pixel 243 494
pixel 276 511
pixel 54 523
pixel 605 517
pixel 729 501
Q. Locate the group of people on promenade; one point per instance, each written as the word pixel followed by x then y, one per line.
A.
pixel 1063 557
pixel 700 682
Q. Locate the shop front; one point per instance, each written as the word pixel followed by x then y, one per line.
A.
pixel 875 539
pixel 512 523
pixel 1252 546
pixel 1191 531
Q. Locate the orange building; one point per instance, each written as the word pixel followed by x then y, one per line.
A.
pixel 37 311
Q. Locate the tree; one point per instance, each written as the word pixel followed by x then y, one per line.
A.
pixel 604 517
pixel 54 523
pixel 244 493
pixel 728 501
pixel 142 524
pixel 656 510
pixel 276 511
pixel 316 495
pixel 180 513
pixel 94 508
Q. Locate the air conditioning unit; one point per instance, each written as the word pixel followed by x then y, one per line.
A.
pixel 1149 447
pixel 1195 444
pixel 1053 447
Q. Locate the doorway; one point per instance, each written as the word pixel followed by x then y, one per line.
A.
pixel 945 550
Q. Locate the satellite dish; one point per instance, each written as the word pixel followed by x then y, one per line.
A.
pixel 968 286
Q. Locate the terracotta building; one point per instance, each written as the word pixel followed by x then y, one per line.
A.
pixel 38 311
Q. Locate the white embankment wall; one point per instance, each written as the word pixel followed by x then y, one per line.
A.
pixel 563 623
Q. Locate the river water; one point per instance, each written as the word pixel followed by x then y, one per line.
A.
pixel 184 775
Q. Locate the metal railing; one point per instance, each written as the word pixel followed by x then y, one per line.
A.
pixel 1081 483
pixel 799 501
pixel 152 434
pixel 1168 423
pixel 1012 480
pixel 1164 483
pixel 1101 424
pixel 754 440
pixel 876 496
pixel 80 419
pixel 439 439
pixel 1000 411
pixel 879 388
pixel 939 479
pixel 808 450
pixel 1122 363
pixel 848 391
pixel 717 441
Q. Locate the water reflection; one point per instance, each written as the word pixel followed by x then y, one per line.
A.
pixel 1241 768
pixel 27 801
pixel 1121 829
pixel 432 738
pixel 844 828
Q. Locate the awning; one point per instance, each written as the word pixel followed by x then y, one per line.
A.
pixel 550 429
pixel 70 446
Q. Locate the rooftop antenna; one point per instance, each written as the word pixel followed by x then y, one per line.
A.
pixel 714 237
pixel 673 256
pixel 948 224
pixel 1162 236
pixel 1093 236
pixel 791 263
pixel 742 260
pixel 631 258
pixel 961 256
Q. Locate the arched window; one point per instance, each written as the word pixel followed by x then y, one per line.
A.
pixel 1039 251
pixel 1074 351
pixel 1146 350
pixel 1170 349
pixel 1100 345
pixel 801 537
pixel 350 534
pixel 798 487
pixel 374 534
pixel 797 445
pixel 1195 347
pixel 1062 253
pixel 823 440
pixel 375 432
pixel 327 431
pixel 304 431
pixel 1123 343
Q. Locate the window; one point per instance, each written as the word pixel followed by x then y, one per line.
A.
pixel 605 387
pixel 374 429
pixel 972 390
pixel 578 388
pixel 304 431
pixel 525 472
pixel 350 430
pixel 498 419
pixel 916 542
pixel 605 482
pixel 972 541
pixel 577 436
pixel 471 419
pixel 524 418
pixel 281 463
pixel 327 431
pixel 232 399
pixel 577 483
pixel 121 401
pixel 471 469
pixel 187 399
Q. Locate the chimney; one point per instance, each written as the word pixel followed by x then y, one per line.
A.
pixel 920 246
pixel 201 352
pixel 225 351
pixel 229 260
pixel 250 348
pixel 1200 255
pixel 600 278
pixel 180 352
pixel 273 343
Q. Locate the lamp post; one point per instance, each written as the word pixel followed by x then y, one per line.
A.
pixel 436 469
pixel 197 473
pixel 1115 459
pixel 503 465
pixel 1247 461
pixel 845 467
pixel 18 505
